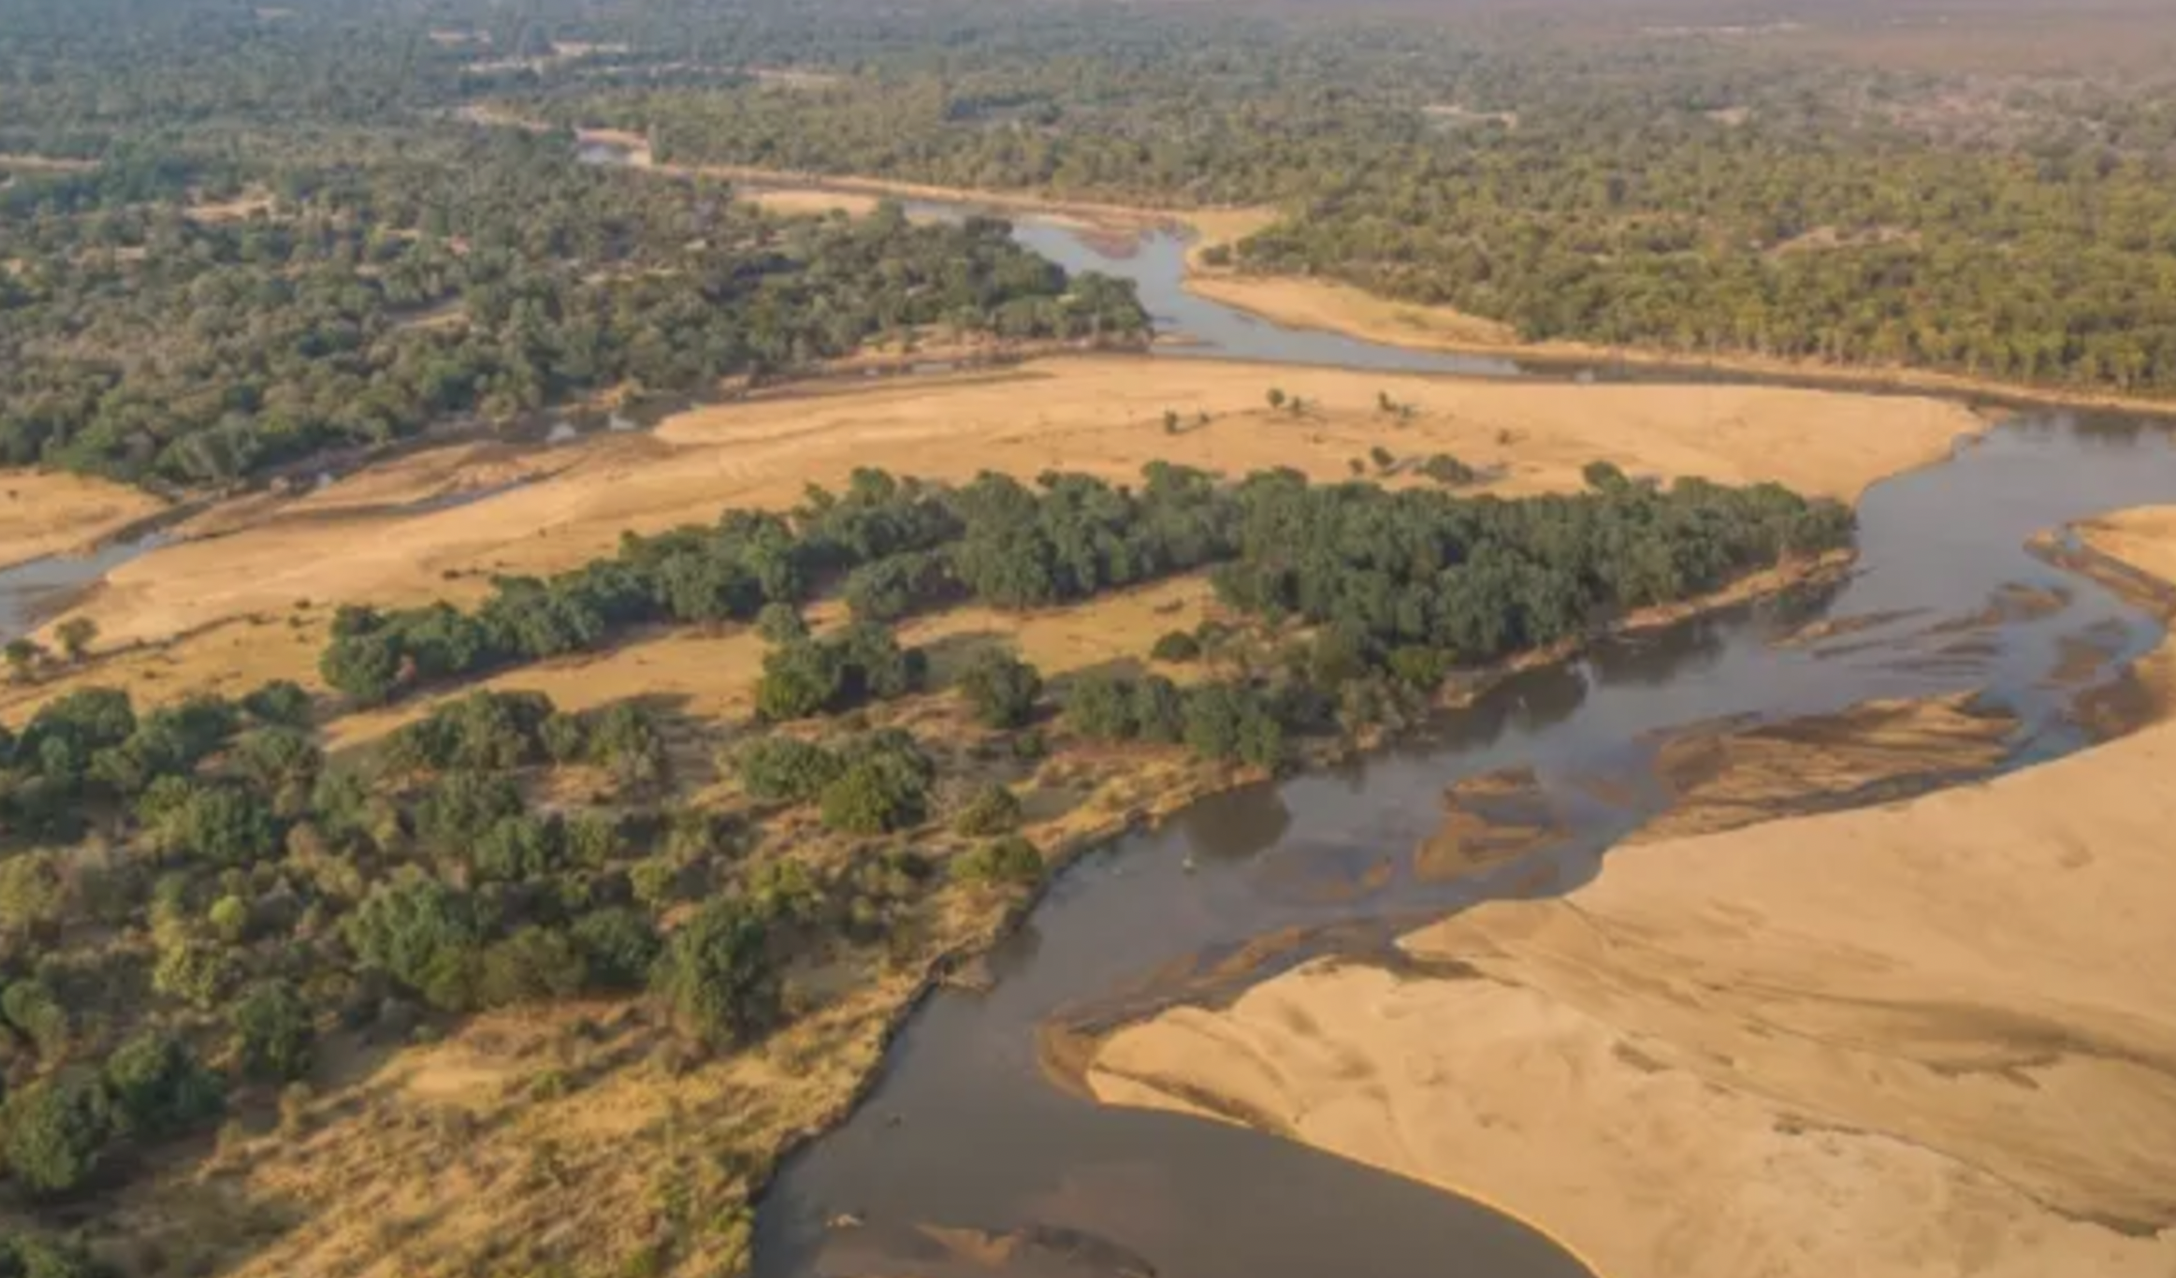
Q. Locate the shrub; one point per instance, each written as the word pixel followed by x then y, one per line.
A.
pixel 784 770
pixel 1228 722
pixel 1448 470
pixel 1382 457
pixel 76 636
pixel 883 787
pixel 519 848
pixel 993 810
pixel 281 702
pixel 274 1033
pixel 1006 862
pixel 1176 648
pixel 715 976
pixel 874 797
pixel 1605 477
pixel 800 679
pixel 1002 689
pixel 1101 707
pixel 779 624
pixel 422 934
pixel 618 945
pixel 158 1088
pixel 54 1134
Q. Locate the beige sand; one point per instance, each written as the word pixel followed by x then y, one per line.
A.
pixel 1929 1039
pixel 44 513
pixel 1103 415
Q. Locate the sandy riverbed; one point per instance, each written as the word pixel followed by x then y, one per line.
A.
pixel 1926 1039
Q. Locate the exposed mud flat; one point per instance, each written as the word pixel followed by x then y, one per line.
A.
pixel 1877 752
pixel 1929 1038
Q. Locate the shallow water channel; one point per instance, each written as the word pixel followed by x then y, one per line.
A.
pixel 967 1131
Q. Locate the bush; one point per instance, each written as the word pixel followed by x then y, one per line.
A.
pixel 715 976
pixel 883 787
pixel 618 945
pixel 518 849
pixel 800 679
pixel 1605 477
pixel 37 1014
pixel 27 1256
pixel 779 624
pixel 1101 707
pixel 54 1134
pixel 874 797
pixel 1006 862
pixel 222 824
pixel 1448 470
pixel 1176 648
pixel 159 1089
pixel 993 810
pixel 784 770
pixel 274 1034
pixel 1228 722
pixel 281 703
pixel 421 933
pixel 1002 689
pixel 76 636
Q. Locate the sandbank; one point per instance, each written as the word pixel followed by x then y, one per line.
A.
pixel 1929 1038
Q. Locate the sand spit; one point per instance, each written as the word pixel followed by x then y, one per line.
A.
pixel 1927 1039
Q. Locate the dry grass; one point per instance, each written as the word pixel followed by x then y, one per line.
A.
pixel 50 513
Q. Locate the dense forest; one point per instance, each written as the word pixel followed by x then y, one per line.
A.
pixel 357 305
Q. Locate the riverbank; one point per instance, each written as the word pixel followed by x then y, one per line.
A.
pixel 1923 1039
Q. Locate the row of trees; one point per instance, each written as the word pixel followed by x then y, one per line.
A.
pixel 1473 578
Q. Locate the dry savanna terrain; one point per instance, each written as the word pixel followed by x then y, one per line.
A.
pixel 580 1129
pixel 1928 1038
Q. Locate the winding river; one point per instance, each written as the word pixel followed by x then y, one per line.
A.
pixel 969 1158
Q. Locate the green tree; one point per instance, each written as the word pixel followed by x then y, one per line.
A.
pixel 422 934
pixel 1008 862
pixel 76 636
pixel 54 1134
pixel 715 976
pixel 1002 689
pixel 158 1088
pixel 275 1037
pixel 993 810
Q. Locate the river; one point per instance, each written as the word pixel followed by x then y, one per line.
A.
pixel 967 1130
